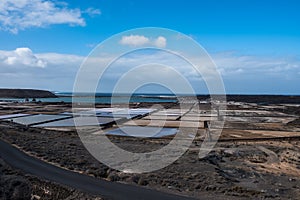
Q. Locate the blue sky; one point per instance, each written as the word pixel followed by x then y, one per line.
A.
pixel 255 44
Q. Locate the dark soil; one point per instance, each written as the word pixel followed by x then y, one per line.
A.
pixel 295 123
pixel 225 171
pixel 15 185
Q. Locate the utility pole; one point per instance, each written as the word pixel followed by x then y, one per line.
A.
pixel 207 130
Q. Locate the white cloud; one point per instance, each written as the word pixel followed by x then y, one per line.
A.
pixel 24 68
pixel 134 40
pixel 21 56
pixel 23 59
pixel 16 15
pixel 92 12
pixel 60 59
pixel 230 63
pixel 140 40
pixel 160 42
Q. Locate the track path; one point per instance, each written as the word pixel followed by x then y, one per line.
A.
pixel 106 189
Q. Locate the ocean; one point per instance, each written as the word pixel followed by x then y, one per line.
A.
pixel 104 98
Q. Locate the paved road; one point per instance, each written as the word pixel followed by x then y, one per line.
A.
pixel 106 189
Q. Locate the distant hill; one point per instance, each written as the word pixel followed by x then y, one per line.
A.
pixel 25 93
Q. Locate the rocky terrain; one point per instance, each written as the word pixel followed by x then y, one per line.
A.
pixel 16 185
pixel 243 170
pixel 248 162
